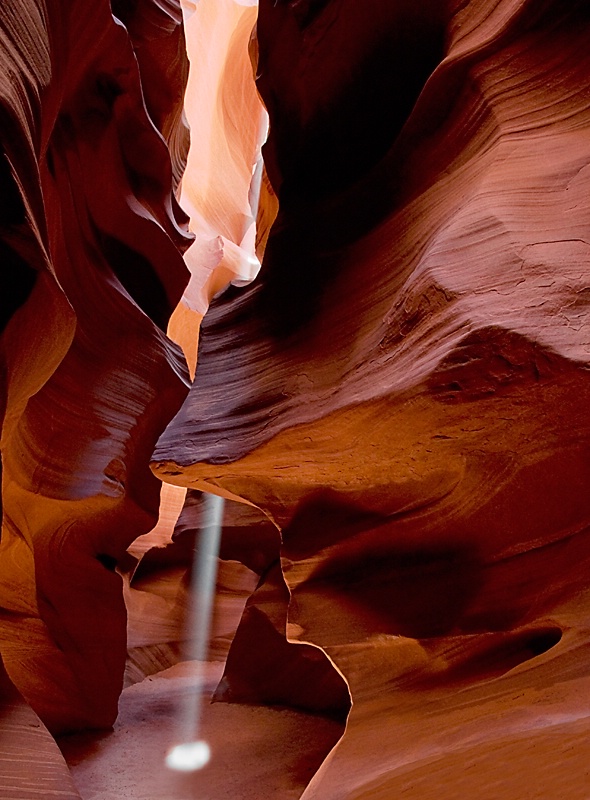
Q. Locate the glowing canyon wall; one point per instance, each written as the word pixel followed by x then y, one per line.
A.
pixel 403 390
pixel 398 398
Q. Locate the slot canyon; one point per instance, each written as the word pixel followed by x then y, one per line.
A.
pixel 329 261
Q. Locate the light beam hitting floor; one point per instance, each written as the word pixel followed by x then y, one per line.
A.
pixel 192 753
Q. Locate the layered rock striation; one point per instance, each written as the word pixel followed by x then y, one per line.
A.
pixel 398 401
pixel 403 390
pixel 91 239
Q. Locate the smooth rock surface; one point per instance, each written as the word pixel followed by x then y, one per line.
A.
pixel 93 237
pixel 399 400
pixel 31 765
pixel 404 389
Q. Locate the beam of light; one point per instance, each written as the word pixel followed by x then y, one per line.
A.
pixel 192 753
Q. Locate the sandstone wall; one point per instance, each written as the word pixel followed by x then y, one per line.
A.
pixel 404 389
pixel 91 239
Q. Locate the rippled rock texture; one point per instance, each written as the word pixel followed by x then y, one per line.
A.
pixel 91 240
pixel 32 765
pixel 404 389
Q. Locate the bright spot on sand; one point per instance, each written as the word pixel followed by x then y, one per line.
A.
pixel 194 753
pixel 189 756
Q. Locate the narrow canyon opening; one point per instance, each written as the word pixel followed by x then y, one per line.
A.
pixel 343 290
pixel 181 627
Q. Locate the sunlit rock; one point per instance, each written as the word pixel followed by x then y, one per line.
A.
pixel 404 388
pixel 394 406
pixel 223 181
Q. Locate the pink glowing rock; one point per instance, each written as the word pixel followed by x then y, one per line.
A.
pixel 403 390
pixel 399 397
pixel 223 180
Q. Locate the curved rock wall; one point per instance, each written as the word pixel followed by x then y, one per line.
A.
pixel 91 237
pixel 402 392
pixel 32 765
pixel 404 389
